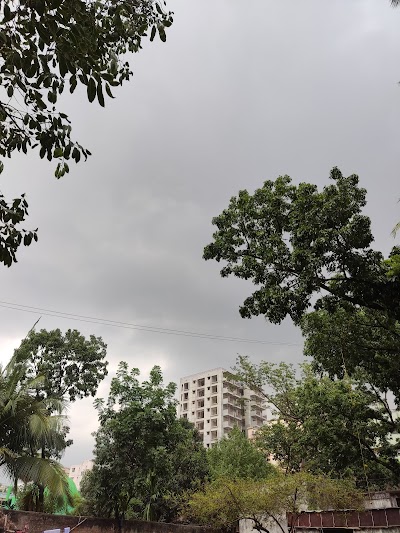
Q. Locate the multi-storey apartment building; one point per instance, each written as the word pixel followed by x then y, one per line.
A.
pixel 216 404
pixel 75 472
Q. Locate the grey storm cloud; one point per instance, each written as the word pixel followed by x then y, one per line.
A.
pixel 240 92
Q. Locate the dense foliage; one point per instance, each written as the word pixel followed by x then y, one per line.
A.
pixel 237 457
pixel 145 458
pixel 46 47
pixel 265 502
pixel 336 427
pixel 72 366
pixel 25 425
pixel 46 372
pixel 295 242
pixel 305 248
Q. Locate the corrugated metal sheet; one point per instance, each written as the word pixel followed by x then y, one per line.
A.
pixel 379 518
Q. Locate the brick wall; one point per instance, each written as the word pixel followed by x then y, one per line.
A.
pixel 11 521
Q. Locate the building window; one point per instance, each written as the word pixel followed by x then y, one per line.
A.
pixel 186 386
pixel 200 414
pixel 200 393
pixel 200 382
pixel 200 403
pixel 184 415
pixel 214 379
pixel 186 396
pixel 214 411
pixel 214 389
pixel 185 406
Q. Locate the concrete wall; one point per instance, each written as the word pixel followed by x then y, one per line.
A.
pixel 28 522
pixel 380 500
pixel 247 526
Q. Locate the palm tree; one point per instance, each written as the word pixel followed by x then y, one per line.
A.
pixel 26 426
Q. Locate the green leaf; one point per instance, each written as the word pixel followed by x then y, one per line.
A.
pixel 67 150
pixel 108 91
pixel 162 34
pixel 7 13
pixel 91 90
pixel 76 155
pixel 39 7
pixel 100 95
pixel 153 33
pixel 58 152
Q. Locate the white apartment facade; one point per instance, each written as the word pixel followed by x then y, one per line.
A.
pixel 75 472
pixel 216 405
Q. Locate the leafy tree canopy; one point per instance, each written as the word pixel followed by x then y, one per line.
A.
pixel 46 47
pixel 71 365
pixel 296 242
pixel 236 457
pixel 145 458
pixel 337 427
pixel 357 341
pixel 223 502
pixel 47 370
pixel 26 424
pixel 304 248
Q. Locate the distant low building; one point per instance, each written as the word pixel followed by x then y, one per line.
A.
pixel 75 472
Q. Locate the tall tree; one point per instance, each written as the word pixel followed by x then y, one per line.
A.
pixel 303 249
pixel 72 365
pixel 145 458
pixel 265 503
pixel 295 242
pixel 237 457
pixel 48 46
pixel 25 420
pixel 356 341
pixel 69 367
pixel 339 427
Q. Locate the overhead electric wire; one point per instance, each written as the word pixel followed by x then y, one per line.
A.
pixel 132 326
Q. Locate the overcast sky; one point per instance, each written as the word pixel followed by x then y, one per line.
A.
pixel 240 92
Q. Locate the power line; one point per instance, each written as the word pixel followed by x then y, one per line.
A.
pixel 132 326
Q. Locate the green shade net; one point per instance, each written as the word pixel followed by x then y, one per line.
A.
pixel 11 502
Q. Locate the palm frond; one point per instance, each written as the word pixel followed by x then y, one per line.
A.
pixel 397 226
pixel 45 472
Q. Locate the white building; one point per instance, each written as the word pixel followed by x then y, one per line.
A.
pixel 216 405
pixel 75 472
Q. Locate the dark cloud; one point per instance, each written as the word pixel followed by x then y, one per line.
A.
pixel 238 94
